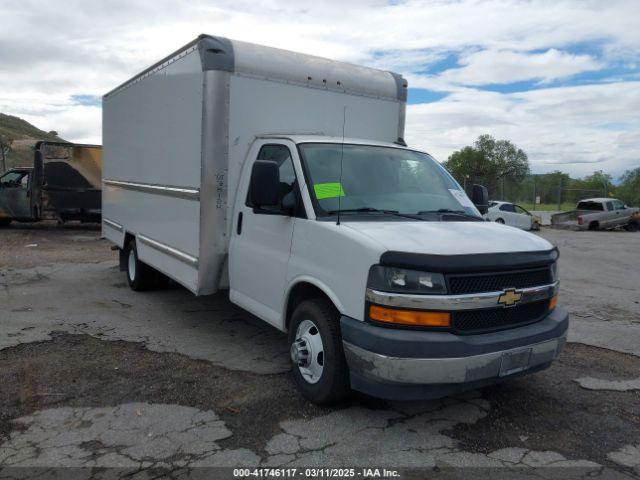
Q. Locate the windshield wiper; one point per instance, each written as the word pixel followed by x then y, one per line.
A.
pixel 375 210
pixel 460 213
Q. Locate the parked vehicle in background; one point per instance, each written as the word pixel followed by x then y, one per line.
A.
pixel 598 214
pixel 512 215
pixel 64 183
pixel 368 253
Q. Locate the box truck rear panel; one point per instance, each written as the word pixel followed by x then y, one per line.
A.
pixel 153 129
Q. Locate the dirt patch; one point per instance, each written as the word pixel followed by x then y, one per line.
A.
pixel 26 245
pixel 82 371
pixel 545 411
pixel 550 411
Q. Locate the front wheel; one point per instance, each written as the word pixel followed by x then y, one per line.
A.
pixel 5 222
pixel 632 227
pixel 319 366
pixel 499 220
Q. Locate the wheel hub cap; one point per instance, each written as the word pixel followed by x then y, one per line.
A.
pixel 132 265
pixel 300 353
pixel 307 351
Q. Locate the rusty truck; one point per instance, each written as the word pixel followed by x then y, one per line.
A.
pixel 63 183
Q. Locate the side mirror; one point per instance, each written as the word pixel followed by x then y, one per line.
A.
pixel 265 184
pixel 480 198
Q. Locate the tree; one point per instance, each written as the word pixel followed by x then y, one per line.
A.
pixel 5 147
pixel 490 162
pixel 53 133
pixel 629 189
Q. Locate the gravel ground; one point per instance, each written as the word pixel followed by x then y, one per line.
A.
pixel 95 375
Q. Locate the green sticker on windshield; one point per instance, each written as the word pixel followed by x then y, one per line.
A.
pixel 328 190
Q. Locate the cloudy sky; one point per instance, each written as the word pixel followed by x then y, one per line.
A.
pixel 559 78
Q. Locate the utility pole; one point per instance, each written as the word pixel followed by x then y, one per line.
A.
pixel 534 191
pixel 560 194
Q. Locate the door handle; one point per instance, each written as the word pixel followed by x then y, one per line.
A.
pixel 239 226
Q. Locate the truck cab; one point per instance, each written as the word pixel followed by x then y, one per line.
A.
pixel 62 184
pixel 384 274
pixel 598 214
pixel 15 193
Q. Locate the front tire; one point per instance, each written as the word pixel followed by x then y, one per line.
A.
pixel 499 220
pixel 632 227
pixel 319 367
pixel 140 276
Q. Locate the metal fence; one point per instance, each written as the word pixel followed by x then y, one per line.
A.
pixel 537 191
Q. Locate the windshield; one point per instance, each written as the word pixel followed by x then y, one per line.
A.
pixel 380 179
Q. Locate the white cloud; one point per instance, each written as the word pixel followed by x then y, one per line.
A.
pixel 500 66
pixel 566 128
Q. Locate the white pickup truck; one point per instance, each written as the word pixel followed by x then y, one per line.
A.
pixel 285 179
pixel 598 214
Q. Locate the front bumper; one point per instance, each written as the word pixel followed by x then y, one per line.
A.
pixel 404 364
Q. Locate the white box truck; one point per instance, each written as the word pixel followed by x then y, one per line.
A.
pixel 285 178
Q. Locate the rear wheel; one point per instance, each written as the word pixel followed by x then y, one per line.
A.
pixel 141 276
pixel 319 366
pixel 5 222
pixel 535 226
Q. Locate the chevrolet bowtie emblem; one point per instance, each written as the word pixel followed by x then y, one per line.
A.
pixel 509 297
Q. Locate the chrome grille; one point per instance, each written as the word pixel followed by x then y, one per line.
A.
pixel 494 282
pixel 478 321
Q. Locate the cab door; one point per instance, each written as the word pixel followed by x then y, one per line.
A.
pixel 621 215
pixel 609 217
pixel 261 238
pixel 14 194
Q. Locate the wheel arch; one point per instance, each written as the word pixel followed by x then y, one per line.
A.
pixel 303 288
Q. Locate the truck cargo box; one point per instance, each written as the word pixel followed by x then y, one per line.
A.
pixel 176 137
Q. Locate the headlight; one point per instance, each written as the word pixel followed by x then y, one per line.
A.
pixel 554 272
pixel 400 280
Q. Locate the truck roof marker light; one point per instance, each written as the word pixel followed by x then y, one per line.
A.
pixel 553 302
pixel 410 317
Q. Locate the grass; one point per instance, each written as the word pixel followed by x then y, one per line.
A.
pixel 548 207
pixel 16 128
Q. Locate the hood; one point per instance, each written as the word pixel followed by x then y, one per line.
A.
pixel 449 238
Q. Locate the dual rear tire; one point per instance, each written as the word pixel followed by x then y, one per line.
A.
pixel 140 276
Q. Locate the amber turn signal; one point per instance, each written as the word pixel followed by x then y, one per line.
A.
pixel 553 302
pixel 410 317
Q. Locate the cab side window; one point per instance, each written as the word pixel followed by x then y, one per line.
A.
pixel 618 205
pixel 288 182
pixel 13 179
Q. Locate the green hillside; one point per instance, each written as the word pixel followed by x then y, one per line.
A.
pixel 23 136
